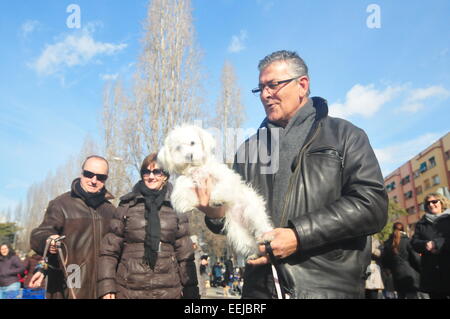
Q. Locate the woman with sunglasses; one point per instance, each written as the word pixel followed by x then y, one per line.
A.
pixel 432 240
pixel 148 253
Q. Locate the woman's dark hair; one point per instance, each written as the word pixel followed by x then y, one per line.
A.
pixel 151 159
pixel 397 236
pixel 11 251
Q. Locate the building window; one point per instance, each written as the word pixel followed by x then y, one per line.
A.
pixel 405 180
pixel 447 155
pixel 427 183
pixel 395 199
pixel 411 210
pixel 436 180
pixel 432 162
pixel 419 190
pixel 390 186
pixel 408 194
pixel 416 173
pixel 423 167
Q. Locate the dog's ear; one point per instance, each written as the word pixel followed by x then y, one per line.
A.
pixel 165 158
pixel 209 143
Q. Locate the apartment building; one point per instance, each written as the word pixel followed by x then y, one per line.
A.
pixel 428 171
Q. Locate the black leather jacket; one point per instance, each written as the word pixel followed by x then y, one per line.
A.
pixel 335 200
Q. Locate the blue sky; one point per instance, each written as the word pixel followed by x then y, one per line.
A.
pixel 392 81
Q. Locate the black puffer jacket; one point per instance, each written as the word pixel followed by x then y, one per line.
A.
pixel 335 200
pixel 121 270
pixel 435 267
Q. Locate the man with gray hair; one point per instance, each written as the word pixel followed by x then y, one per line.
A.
pixel 326 198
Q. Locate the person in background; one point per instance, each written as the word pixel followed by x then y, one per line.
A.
pixel 228 271
pixel 205 271
pixel 431 239
pixel 374 281
pixel 31 262
pixel 10 268
pixel 147 253
pixel 198 253
pixel 217 274
pixel 389 289
pixel 403 263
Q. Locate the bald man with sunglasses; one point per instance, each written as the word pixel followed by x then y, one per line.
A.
pixel 82 215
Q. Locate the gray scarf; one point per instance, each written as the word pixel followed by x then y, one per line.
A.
pixel 291 140
pixel 432 218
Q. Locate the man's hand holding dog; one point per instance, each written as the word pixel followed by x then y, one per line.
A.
pixel 203 190
pixel 284 243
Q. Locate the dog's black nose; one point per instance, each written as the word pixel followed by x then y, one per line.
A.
pixel 189 157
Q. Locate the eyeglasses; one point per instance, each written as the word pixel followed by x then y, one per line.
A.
pixel 271 85
pixel 100 177
pixel 156 172
pixel 433 202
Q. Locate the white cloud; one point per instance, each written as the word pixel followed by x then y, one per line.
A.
pixel 28 27
pixel 413 103
pixel 394 156
pixel 109 77
pixel 363 100
pixel 237 42
pixel 75 49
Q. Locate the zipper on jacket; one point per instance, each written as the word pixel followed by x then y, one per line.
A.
pixel 321 151
pixel 290 186
pixel 96 250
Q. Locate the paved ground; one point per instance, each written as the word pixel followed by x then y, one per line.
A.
pixel 218 293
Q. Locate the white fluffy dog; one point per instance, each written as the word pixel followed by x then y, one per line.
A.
pixel 188 152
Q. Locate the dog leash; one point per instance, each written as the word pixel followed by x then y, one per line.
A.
pixel 283 282
pixel 58 241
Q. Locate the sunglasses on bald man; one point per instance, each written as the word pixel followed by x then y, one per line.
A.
pixel 100 177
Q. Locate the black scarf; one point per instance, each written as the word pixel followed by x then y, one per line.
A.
pixel 93 200
pixel 153 202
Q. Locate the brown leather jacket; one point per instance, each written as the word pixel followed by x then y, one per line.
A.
pixel 84 228
pixel 121 270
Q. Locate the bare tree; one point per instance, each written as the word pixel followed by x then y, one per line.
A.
pixel 167 81
pixel 57 182
pixel 165 92
pixel 230 112
pixel 116 131
pixel 215 244
pixel 166 88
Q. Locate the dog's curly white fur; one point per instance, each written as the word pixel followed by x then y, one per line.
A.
pixel 188 152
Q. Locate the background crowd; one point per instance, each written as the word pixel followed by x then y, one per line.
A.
pixel 416 267
pixel 402 267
